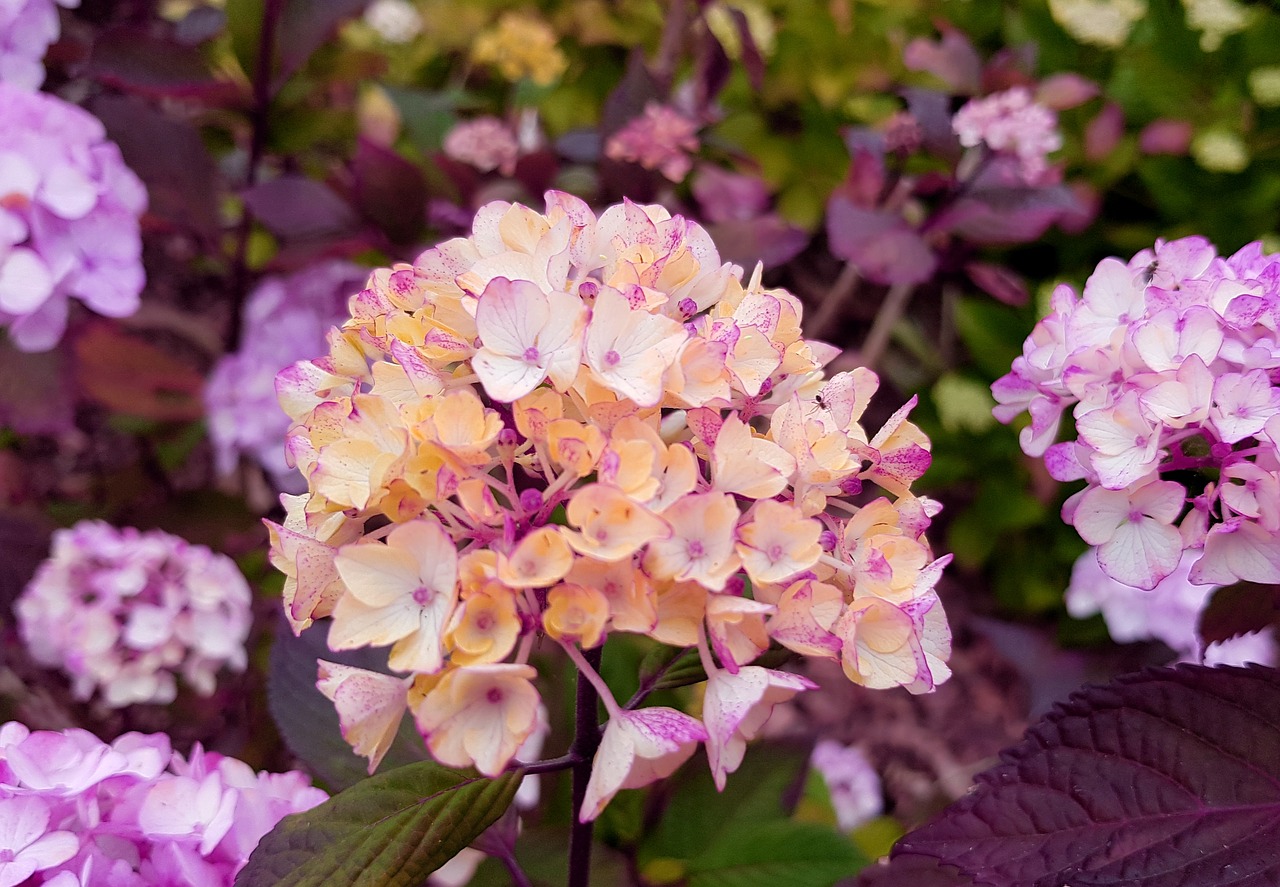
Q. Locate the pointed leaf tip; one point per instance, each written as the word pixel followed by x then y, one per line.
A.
pixel 391 830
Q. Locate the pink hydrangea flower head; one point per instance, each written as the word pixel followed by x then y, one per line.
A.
pixel 854 785
pixel 569 425
pixel 27 28
pixel 69 211
pixel 661 138
pixel 1169 364
pixel 1169 612
pixel 285 320
pixel 145 816
pixel 126 614
pixel 486 143
pixel 1011 122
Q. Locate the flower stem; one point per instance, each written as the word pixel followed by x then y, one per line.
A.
pixel 263 95
pixel 586 738
pixel 891 311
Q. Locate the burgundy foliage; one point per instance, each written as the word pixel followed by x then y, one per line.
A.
pixel 1165 778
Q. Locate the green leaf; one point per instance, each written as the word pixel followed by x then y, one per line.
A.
pixel 775 854
pixel 992 333
pixel 428 116
pixel 391 830
pixel 666 668
pixel 761 790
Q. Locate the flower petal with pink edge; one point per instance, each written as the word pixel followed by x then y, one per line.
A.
pixel 370 706
pixel 736 707
pixel 1238 549
pixel 639 748
pixel 480 715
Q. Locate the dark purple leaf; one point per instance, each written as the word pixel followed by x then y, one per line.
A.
pixel 136 61
pixel 307 720
pixel 170 158
pixel 636 89
pixel 1000 283
pixel 713 68
pixel 1239 609
pixel 537 170
pixel 24 543
pixel 200 24
pixel 953 60
pixel 881 244
pixel 1006 215
pixel 765 239
pixel 932 111
pixel 911 871
pixel 579 146
pixel 390 191
pixel 298 208
pixel 1165 778
pixel 751 57
pixel 303 27
pixel 865 181
pixel 35 391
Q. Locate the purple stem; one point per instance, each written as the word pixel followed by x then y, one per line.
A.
pixel 259 118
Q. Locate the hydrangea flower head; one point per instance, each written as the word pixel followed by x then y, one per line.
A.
pixel 126 613
pixel 27 28
pixel 1169 613
pixel 69 211
pixel 1169 363
pixel 145 815
pixel 571 425
pixel 486 143
pixel 851 780
pixel 520 46
pixel 285 319
pixel 1011 122
pixel 661 138
pixel 395 21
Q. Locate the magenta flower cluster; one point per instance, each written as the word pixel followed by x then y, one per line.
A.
pixel 661 138
pixel 27 27
pixel 125 613
pixel 78 812
pixel 69 211
pixel 1171 362
pixel 1013 123
pixel 286 319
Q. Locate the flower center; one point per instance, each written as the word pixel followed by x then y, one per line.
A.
pixel 494 695
pixel 531 354
pixel 696 550
pixel 422 595
pixel 612 358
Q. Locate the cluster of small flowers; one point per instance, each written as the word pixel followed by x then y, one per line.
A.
pixel 661 138
pixel 395 21
pixel 124 612
pixel 520 46
pixel 69 211
pixel 77 812
pixel 285 320
pixel 1011 122
pixel 486 143
pixel 857 795
pixel 27 28
pixel 1169 613
pixel 1170 361
pixel 1100 22
pixel 568 426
